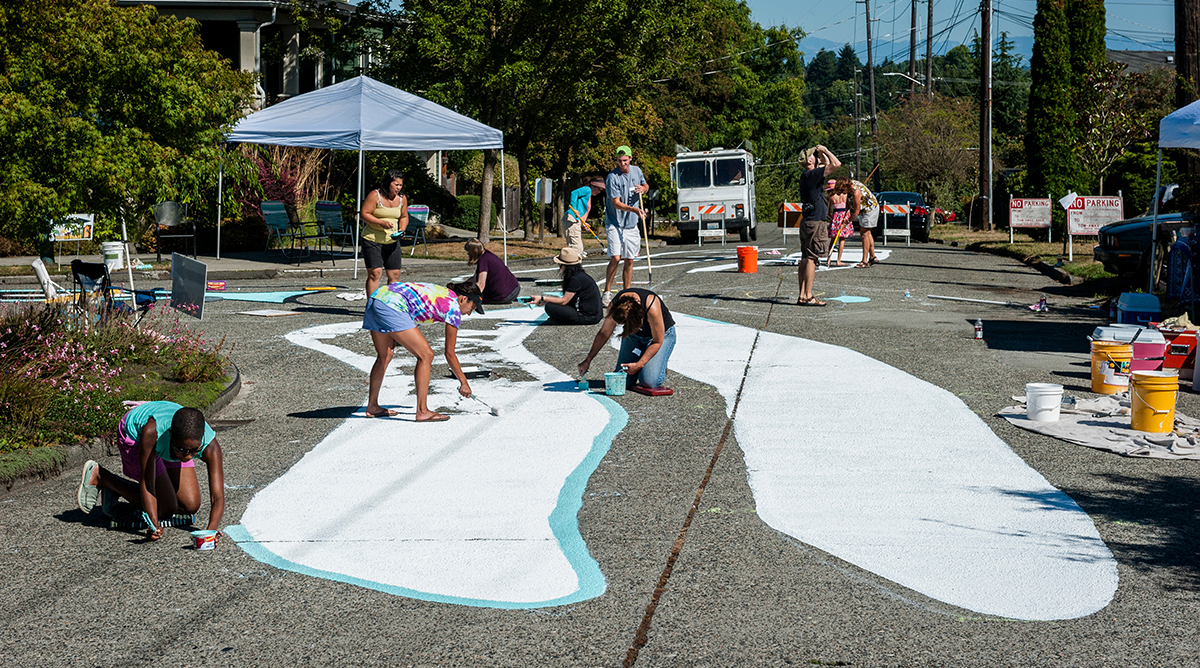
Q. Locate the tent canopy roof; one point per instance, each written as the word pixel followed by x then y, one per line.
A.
pixel 1181 128
pixel 364 114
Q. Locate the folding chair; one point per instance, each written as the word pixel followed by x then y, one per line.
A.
pixel 329 215
pixel 49 287
pixel 279 224
pixel 417 215
pixel 172 217
pixel 92 281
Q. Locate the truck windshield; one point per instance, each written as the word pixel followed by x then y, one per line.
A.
pixel 731 172
pixel 694 174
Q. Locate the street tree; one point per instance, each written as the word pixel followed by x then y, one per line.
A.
pixel 107 110
pixel 1111 118
pixel 1050 162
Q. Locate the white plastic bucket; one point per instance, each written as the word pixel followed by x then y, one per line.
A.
pixel 1042 401
pixel 114 254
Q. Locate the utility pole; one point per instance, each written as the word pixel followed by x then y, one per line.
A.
pixel 912 52
pixel 985 117
pixel 874 121
pixel 929 51
pixel 857 127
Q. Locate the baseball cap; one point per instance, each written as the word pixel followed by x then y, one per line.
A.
pixel 624 150
pixel 568 255
pixel 807 153
pixel 477 300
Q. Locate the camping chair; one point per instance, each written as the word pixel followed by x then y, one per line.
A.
pixel 329 215
pixel 279 225
pixel 417 215
pixel 93 283
pixel 172 217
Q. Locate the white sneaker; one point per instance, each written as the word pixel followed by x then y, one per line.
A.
pixel 606 298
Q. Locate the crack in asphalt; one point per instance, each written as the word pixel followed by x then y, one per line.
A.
pixel 642 636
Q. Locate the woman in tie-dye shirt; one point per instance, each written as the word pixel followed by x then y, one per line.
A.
pixel 393 312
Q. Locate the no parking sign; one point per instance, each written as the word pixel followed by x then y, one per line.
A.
pixel 1086 215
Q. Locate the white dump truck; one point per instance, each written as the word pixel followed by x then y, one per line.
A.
pixel 716 193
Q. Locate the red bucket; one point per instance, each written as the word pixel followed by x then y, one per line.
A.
pixel 747 259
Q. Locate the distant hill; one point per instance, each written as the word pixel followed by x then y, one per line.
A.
pixel 1022 46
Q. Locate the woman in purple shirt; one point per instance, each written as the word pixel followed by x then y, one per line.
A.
pixel 497 283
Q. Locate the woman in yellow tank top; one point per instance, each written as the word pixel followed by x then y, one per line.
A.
pixel 385 212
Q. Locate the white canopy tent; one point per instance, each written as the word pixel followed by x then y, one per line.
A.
pixel 1179 129
pixel 364 115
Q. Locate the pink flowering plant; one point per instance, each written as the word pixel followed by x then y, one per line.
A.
pixel 64 374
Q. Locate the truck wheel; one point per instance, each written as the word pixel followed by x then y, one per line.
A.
pixel 744 234
pixel 754 233
pixel 688 236
pixel 1159 274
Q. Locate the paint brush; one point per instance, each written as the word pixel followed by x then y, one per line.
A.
pixel 493 411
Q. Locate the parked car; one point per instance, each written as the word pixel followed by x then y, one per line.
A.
pixel 1124 246
pixel 920 213
pixel 942 216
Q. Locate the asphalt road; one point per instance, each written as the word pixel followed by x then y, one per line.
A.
pixel 740 593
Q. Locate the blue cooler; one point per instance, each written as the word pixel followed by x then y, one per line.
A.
pixel 1137 308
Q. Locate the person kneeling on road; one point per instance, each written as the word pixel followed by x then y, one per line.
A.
pixel 580 300
pixel 647 336
pixel 158 441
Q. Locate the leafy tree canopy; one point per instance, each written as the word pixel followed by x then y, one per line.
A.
pixel 106 110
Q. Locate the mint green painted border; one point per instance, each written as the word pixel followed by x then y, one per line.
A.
pixel 563 523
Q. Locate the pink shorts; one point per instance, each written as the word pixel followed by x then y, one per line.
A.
pixel 131 462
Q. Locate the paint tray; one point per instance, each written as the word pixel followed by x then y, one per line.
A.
pixel 652 391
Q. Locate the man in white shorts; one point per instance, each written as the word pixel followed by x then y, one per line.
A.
pixel 622 212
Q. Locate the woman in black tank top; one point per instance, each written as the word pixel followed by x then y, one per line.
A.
pixel 647 336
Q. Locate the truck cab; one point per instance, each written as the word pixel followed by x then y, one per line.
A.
pixel 715 194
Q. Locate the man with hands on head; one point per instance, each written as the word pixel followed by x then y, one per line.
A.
pixel 814 229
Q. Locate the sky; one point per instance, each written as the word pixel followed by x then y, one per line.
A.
pixel 1148 25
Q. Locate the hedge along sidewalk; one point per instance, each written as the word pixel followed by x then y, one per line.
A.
pixel 21 468
pixel 1040 255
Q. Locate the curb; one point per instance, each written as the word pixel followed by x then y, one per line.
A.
pixel 51 462
pixel 1048 269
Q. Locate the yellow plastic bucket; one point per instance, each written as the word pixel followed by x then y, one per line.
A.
pixel 1152 401
pixel 1110 366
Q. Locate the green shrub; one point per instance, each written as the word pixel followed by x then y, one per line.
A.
pixel 468 216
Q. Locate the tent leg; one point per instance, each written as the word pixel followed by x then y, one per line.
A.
pixel 358 212
pixel 1154 223
pixel 503 197
pixel 220 196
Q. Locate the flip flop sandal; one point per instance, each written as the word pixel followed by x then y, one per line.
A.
pixel 862 265
pixel 811 302
pixel 89 494
pixel 874 260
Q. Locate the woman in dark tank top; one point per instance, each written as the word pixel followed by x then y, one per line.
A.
pixel 647 336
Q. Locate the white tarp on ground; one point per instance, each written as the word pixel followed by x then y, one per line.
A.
pixel 1104 424
pixel 364 114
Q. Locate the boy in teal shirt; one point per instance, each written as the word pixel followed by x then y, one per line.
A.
pixel 158 441
pixel 578 207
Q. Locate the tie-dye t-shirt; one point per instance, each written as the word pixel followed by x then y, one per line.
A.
pixel 425 302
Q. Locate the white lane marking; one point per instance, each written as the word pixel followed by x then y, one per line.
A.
pixel 898 477
pixel 462 511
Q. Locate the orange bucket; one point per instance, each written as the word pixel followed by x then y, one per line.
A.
pixel 1110 366
pixel 747 259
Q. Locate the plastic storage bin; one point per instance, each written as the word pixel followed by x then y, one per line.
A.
pixel 1136 308
pixel 1148 350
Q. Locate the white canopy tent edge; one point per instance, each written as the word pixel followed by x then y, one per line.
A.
pixel 1179 129
pixel 364 115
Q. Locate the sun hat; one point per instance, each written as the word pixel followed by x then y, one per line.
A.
pixel 597 183
pixel 829 185
pixel 568 255
pixel 624 150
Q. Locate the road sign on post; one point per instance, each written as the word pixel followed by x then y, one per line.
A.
pixel 1028 212
pixel 1086 215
